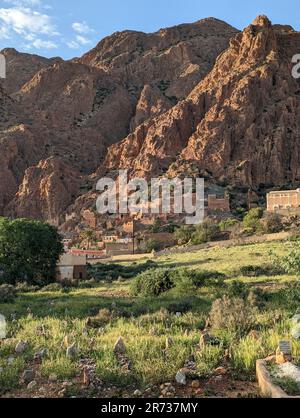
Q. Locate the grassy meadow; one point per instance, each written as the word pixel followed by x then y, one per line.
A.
pixel 53 318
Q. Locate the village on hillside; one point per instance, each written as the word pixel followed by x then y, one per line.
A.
pixel 95 240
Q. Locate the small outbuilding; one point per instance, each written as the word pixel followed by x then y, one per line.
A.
pixel 71 267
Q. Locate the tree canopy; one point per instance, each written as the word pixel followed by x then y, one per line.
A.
pixel 29 251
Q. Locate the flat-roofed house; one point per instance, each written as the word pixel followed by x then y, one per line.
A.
pixel 283 201
pixel 71 267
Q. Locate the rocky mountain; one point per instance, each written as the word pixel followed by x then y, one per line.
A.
pixel 199 98
pixel 59 117
pixel 241 122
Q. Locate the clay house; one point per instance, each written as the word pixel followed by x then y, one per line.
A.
pixel 128 227
pixel 71 267
pixel 284 201
pixel 109 238
pixel 217 204
pixel 89 219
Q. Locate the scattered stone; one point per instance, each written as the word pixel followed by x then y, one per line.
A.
pixel 283 352
pixel 62 393
pixel 21 347
pixel 28 376
pixel 90 378
pixel 295 331
pixel 71 352
pixel 137 393
pixel 120 347
pixel 10 360
pixel 291 371
pixel 66 342
pixel 195 384
pixel 67 384
pixel 220 371
pixel 169 342
pixel 32 385
pixel 53 378
pixel 41 354
pixel 181 377
pixel 41 330
pixel 178 314
pixel 207 339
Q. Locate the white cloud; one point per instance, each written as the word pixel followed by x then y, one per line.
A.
pixel 24 21
pixel 42 44
pixel 82 40
pixel 73 45
pixel 82 27
pixel 22 3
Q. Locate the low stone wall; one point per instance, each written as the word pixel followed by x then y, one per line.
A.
pixel 255 239
pixel 267 387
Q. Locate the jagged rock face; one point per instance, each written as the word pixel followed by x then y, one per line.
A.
pixel 241 121
pixel 199 98
pixel 47 190
pixel 175 59
pixel 21 67
pixel 58 118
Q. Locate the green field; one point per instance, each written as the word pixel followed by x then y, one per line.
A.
pixel 144 324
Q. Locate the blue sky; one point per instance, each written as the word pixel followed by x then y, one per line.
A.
pixel 69 28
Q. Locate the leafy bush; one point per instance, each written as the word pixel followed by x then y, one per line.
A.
pixel 290 263
pixel 273 223
pixel 252 220
pixel 53 287
pixel 237 289
pixel 26 288
pixel 103 318
pixel 264 270
pixel 7 293
pixel 183 306
pixel 228 224
pixel 183 235
pixel 188 281
pixel 153 282
pixel 111 272
pixel 205 232
pixel 234 315
pixel 151 245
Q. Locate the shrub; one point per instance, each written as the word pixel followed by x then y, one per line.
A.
pixel 273 223
pixel 7 293
pixel 183 306
pixel 252 219
pixel 264 270
pixel 228 224
pixel 290 263
pixel 152 282
pixel 237 289
pixel 205 232
pixel 103 318
pixel 233 315
pixel 151 245
pixel 26 288
pixel 53 287
pixel 183 235
pixel 188 281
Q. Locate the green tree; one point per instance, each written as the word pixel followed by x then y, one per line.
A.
pixel 88 236
pixel 29 251
pixel 205 232
pixel 253 219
